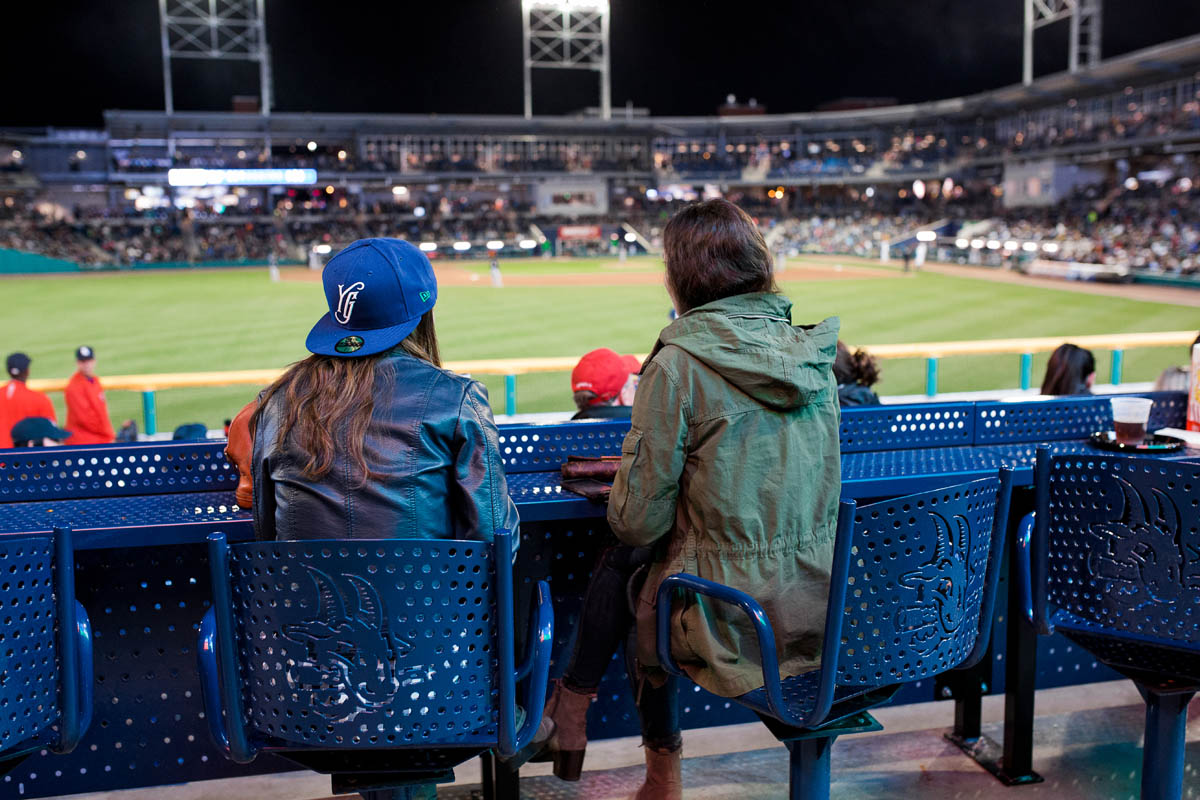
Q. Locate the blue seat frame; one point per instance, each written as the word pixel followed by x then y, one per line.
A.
pixel 1111 560
pixel 46 670
pixel 385 662
pixel 912 591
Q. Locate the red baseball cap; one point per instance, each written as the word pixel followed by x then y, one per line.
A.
pixel 603 372
pixel 635 366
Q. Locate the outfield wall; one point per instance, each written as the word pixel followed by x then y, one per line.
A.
pixel 18 262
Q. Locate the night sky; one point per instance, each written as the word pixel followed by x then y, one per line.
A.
pixel 64 63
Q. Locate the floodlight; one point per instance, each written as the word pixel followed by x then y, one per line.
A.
pixel 495 244
pixel 993 244
pixel 399 191
pixel 977 244
pixel 527 244
pixel 1050 247
pixel 312 147
pixel 918 189
pixel 419 211
pixel 926 236
pixel 427 247
pixel 631 237
pixel 1010 245
pixel 322 249
pixel 1029 247
pixel 961 244
pixel 461 246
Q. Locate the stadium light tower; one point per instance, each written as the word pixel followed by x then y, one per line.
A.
pixel 566 34
pixel 221 30
pixel 1085 31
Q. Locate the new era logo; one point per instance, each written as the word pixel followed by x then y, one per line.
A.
pixel 424 297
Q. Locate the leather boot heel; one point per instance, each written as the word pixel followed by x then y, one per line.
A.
pixel 568 764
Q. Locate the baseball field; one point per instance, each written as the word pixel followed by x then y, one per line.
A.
pixel 211 320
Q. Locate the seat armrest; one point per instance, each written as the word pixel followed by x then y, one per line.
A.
pixel 758 618
pixel 210 689
pixel 537 668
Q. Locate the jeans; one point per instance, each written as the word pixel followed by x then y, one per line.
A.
pixel 604 623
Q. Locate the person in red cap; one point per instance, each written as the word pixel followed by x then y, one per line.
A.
pixel 17 401
pixel 87 410
pixel 603 383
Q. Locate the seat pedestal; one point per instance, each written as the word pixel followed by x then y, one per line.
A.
pixel 1166 734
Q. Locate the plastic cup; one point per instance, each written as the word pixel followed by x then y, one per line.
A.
pixel 1130 416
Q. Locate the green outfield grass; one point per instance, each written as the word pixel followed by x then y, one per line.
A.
pixel 237 319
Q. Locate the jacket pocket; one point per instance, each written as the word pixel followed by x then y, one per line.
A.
pixel 631 443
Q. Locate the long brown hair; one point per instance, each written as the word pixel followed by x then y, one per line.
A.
pixel 328 402
pixel 1068 369
pixel 714 250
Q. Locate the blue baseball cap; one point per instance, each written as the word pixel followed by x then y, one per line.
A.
pixel 377 291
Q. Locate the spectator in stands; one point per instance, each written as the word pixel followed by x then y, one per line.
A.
pixel 856 372
pixel 87 410
pixel 1071 370
pixel 603 384
pixel 17 401
pixel 38 432
pixel 370 421
pixel 692 496
pixel 1177 379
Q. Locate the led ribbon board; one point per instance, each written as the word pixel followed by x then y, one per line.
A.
pixel 241 177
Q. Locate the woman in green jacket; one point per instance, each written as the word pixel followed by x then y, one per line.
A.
pixel 730 471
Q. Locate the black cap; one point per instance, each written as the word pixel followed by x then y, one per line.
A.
pixel 35 429
pixel 84 353
pixel 16 364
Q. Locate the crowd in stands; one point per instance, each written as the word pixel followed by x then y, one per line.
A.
pixel 1149 225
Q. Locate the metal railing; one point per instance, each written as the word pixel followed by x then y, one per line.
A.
pixel 510 368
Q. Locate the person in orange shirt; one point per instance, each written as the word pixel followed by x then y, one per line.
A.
pixel 17 401
pixel 87 410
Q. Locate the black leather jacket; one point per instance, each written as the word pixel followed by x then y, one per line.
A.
pixel 433 440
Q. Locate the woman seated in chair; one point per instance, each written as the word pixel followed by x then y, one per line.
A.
pixel 1070 370
pixel 730 471
pixel 369 437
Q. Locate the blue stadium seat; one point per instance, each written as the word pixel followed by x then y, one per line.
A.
pixel 1114 565
pixel 45 648
pixel 383 662
pixel 912 589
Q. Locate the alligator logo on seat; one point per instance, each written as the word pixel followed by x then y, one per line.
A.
pixel 940 585
pixel 350 660
pixel 1141 556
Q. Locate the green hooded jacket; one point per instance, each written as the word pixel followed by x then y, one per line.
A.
pixel 731 470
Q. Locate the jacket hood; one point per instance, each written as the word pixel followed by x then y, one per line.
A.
pixel 750 341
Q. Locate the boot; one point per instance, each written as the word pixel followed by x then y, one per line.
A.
pixel 563 731
pixel 664 775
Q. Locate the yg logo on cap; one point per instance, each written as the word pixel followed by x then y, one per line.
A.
pixel 346 298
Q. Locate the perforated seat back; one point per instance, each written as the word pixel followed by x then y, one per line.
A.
pixel 1123 546
pixel 28 649
pixel 384 643
pixel 916 582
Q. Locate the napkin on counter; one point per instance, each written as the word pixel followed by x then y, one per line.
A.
pixel 1191 438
